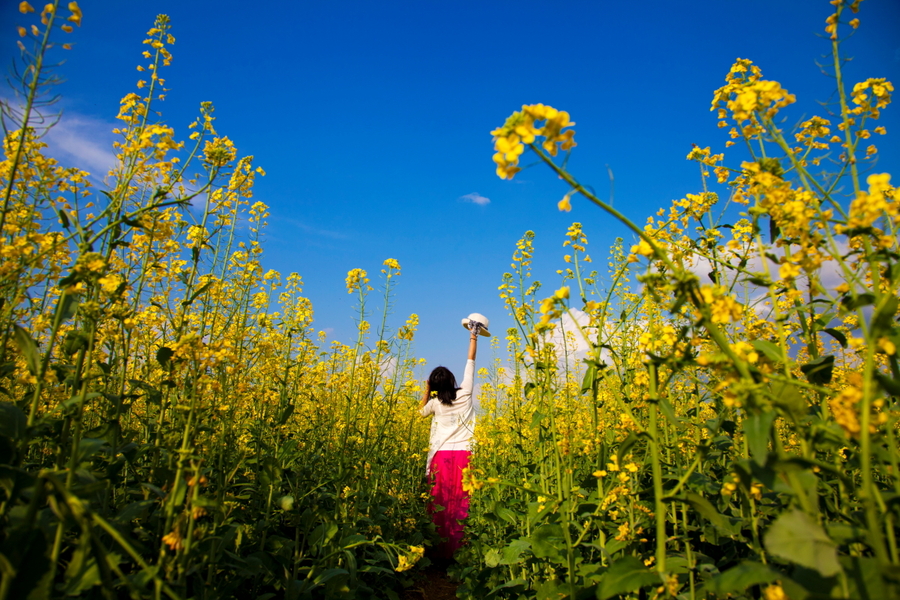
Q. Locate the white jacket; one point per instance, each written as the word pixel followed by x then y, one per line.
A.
pixel 453 424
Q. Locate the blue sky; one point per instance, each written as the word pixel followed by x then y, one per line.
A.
pixel 373 122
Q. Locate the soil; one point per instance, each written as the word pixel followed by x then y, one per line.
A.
pixel 434 585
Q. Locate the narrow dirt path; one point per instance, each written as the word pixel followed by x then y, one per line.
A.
pixel 435 585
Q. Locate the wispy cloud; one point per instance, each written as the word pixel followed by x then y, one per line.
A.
pixel 82 142
pixel 475 198
pixel 335 235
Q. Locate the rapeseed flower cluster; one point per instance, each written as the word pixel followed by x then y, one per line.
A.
pixel 523 128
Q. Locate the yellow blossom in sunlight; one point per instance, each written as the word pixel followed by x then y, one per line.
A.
pixel 642 248
pixel 869 206
pixel 470 481
pixel 25 8
pixel 756 489
pixel 76 15
pixel 218 152
pixel 831 24
pixel 407 561
pixel 774 592
pixel 392 263
pixel 723 308
pixel 565 204
pixel 174 540
pixel 746 351
pixel 870 96
pixel 523 128
pixel 844 405
pixel 109 283
pixel 788 271
pixel 356 280
pixel 887 346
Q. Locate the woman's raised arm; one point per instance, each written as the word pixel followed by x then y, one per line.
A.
pixel 426 393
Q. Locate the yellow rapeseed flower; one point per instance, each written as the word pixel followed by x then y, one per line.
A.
pixel 75 17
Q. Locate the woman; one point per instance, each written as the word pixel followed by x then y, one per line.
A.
pixel 451 433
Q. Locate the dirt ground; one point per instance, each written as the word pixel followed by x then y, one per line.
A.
pixel 435 585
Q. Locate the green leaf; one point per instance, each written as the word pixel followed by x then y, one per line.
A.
pixel 12 421
pixel 180 491
pixel 708 511
pixel 757 428
pixel 164 355
pixel 628 574
pixel 884 315
pixel 28 348
pixel 761 281
pixel 153 395
pixel 88 447
pixel 797 538
pixel 771 351
pixel 842 533
pixel 33 579
pixel 78 399
pixel 737 579
pixel 354 539
pixel 666 407
pixel 788 398
pixel 68 306
pixel 509 584
pixel 286 414
pixel 840 337
pixel 329 574
pixel 551 589
pixel 864 574
pixel 774 231
pixel 889 385
pixel 547 541
pixel 512 554
pixel 135 510
pixel 83 572
pixel 199 291
pixel 819 371
pixel 74 341
pixel 851 303
pixel 505 514
pixel 625 447
pixel 590 376
pixel 492 558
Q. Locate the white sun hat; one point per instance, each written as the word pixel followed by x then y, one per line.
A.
pixel 480 319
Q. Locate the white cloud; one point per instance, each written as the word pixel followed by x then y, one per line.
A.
pixel 82 142
pixel 475 198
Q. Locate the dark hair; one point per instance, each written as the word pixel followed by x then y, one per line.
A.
pixel 443 383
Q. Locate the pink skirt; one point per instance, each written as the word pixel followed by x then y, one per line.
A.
pixel 446 473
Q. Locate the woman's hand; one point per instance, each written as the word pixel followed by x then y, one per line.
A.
pixel 426 394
